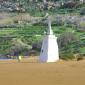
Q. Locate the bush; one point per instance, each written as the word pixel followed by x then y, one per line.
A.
pixel 78 56
pixel 81 26
pixel 37 46
pixel 69 4
pixel 82 12
pixel 66 39
pixel 67 56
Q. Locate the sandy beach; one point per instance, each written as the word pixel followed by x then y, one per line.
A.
pixel 31 72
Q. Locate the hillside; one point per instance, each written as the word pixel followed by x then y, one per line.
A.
pixel 23 23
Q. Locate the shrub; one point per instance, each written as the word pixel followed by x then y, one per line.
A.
pixel 66 56
pixel 82 12
pixel 69 4
pixel 37 46
pixel 66 39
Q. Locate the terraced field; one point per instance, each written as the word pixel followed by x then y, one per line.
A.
pixel 31 32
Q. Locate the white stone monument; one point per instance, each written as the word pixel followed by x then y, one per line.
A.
pixel 49 50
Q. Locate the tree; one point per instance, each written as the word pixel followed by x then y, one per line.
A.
pixel 68 45
pixel 18 46
pixel 66 38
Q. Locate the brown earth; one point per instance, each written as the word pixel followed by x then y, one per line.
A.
pixel 31 72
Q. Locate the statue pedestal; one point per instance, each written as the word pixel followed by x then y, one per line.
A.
pixel 49 50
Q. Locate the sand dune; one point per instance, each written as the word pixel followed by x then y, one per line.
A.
pixel 31 72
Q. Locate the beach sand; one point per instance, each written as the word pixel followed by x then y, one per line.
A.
pixel 30 72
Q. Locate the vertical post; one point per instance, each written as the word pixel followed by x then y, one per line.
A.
pixel 49 32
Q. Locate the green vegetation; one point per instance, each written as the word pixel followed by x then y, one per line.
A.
pixel 23 26
pixel 26 36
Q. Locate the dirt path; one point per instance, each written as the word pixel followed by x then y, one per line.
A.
pixel 31 72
